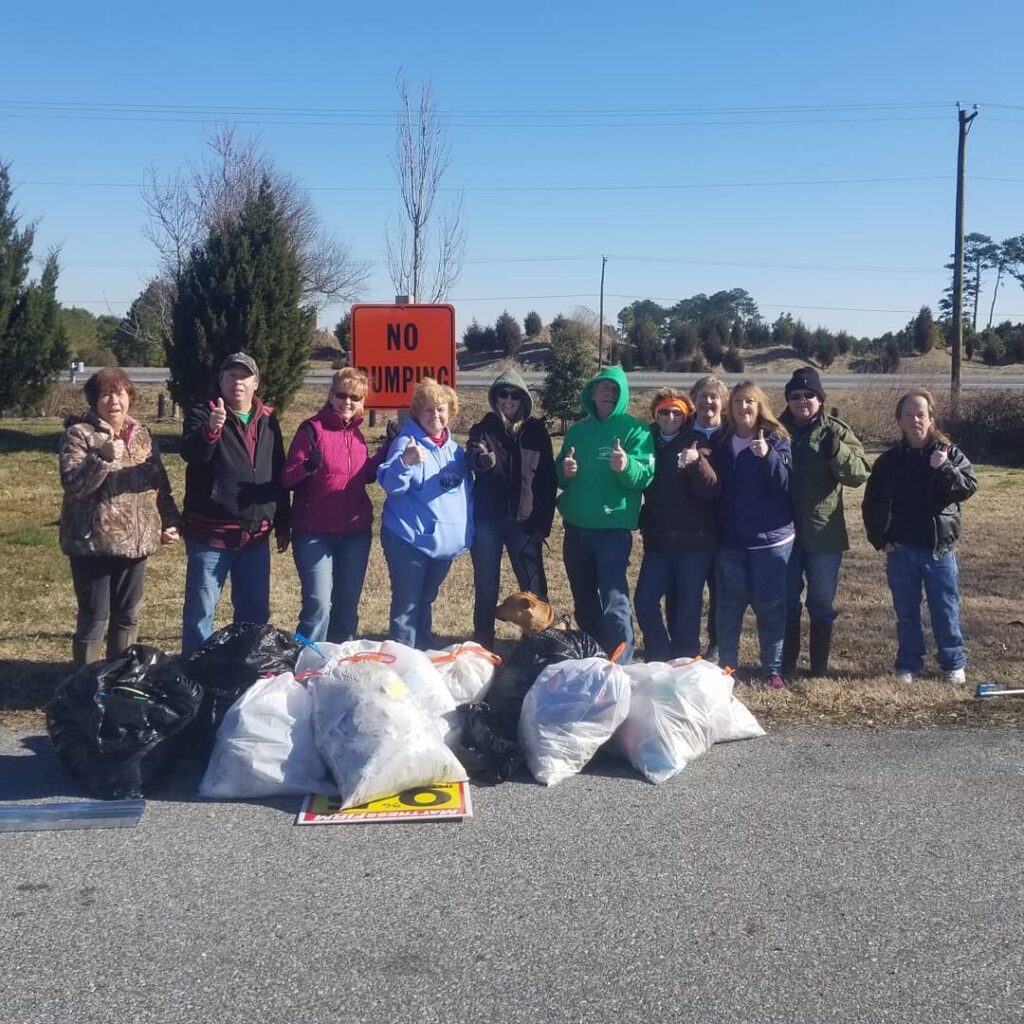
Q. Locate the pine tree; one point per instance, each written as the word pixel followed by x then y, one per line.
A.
pixel 571 365
pixel 33 345
pixel 533 324
pixel 508 334
pixel 242 291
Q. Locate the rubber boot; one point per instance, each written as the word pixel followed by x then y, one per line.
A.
pixel 86 652
pixel 821 644
pixel 120 638
pixel 790 647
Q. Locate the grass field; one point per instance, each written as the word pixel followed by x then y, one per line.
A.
pixel 38 608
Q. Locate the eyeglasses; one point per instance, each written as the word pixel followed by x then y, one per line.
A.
pixel 801 396
pixel 505 393
pixel 669 412
pixel 344 396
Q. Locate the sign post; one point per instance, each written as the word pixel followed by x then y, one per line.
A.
pixel 397 346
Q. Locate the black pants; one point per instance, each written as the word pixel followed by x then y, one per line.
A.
pixel 107 588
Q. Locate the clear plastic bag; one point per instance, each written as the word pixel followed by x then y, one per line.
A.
pixel 569 712
pixel 265 747
pixel 467 670
pixel 374 734
pixel 678 710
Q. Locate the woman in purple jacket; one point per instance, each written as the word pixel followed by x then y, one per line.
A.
pixel 755 528
pixel 328 467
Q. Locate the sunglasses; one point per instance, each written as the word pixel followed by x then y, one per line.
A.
pixel 669 412
pixel 505 393
pixel 343 396
pixel 801 396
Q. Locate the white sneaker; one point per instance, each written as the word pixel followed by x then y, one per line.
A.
pixel 903 678
pixel 955 678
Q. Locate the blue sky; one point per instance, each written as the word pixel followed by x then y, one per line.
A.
pixel 563 117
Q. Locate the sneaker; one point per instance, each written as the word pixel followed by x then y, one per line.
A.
pixel 955 678
pixel 776 682
pixel 903 678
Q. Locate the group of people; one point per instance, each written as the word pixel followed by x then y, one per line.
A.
pixel 727 497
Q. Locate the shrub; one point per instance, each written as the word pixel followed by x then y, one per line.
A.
pixel 732 361
pixel 989 425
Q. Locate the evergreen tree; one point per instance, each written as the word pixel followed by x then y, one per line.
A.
pixel 508 335
pixel 140 339
pixel 533 324
pixel 924 331
pixel 33 345
pixel 242 291
pixel 343 332
pixel 571 366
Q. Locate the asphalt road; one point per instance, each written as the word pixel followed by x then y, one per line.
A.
pixel 814 875
pixel 643 379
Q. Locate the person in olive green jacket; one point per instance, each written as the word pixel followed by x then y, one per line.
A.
pixel 606 462
pixel 827 457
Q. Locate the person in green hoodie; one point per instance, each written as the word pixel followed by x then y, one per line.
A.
pixel 606 463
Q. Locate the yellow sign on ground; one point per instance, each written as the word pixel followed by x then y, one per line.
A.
pixel 443 800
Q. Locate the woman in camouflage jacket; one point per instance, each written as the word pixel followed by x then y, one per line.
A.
pixel 117 510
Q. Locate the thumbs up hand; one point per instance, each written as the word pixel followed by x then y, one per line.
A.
pixel 618 460
pixel 569 467
pixel 218 417
pixel 688 456
pixel 939 457
pixel 485 458
pixel 759 446
pixel 413 454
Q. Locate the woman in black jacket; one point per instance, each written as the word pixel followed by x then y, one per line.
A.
pixel 911 511
pixel 509 452
pixel 677 523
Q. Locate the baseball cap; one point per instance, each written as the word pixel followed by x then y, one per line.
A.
pixel 241 359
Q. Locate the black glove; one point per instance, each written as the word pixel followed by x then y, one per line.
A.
pixel 828 446
pixel 486 460
pixel 390 431
pixel 314 460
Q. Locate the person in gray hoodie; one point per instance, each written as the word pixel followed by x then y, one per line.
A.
pixel 510 454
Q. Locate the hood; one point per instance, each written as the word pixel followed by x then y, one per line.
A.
pixel 511 379
pixel 617 376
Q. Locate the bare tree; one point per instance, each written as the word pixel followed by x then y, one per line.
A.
pixel 422 155
pixel 184 208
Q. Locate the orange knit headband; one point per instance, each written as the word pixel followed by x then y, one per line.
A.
pixel 681 404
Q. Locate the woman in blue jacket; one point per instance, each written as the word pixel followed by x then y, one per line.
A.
pixel 756 531
pixel 428 516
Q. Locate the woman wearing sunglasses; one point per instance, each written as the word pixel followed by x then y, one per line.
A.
pixel 510 454
pixel 328 467
pixel 677 523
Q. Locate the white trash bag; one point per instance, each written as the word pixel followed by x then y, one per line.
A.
pixel 374 735
pixel 678 711
pixel 467 670
pixel 324 654
pixel 265 745
pixel 572 708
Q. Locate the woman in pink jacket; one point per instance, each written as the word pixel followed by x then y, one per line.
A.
pixel 328 468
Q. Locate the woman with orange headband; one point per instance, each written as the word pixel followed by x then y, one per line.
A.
pixel 677 523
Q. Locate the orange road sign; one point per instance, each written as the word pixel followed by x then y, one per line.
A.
pixel 397 346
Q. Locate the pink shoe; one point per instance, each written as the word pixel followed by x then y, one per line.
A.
pixel 776 682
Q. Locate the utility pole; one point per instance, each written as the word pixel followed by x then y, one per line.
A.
pixel 965 121
pixel 600 320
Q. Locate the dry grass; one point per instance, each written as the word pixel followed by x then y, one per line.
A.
pixel 38 606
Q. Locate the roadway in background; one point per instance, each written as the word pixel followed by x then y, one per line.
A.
pixel 645 379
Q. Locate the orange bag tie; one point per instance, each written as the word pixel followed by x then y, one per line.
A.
pixel 480 652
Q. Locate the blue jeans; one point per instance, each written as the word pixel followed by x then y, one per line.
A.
pixel 525 553
pixel 906 570
pixel 331 570
pixel 415 580
pixel 205 574
pixel 596 562
pixel 677 576
pixel 756 578
pixel 821 570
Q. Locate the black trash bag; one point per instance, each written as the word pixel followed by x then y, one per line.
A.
pixel 116 725
pixel 486 755
pixel 228 663
pixel 515 675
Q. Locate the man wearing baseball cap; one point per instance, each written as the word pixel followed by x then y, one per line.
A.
pixel 234 453
pixel 826 458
